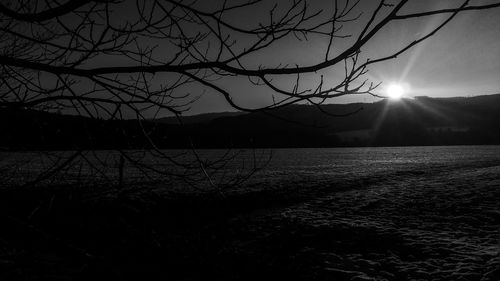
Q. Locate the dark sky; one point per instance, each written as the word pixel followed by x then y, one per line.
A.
pixel 462 59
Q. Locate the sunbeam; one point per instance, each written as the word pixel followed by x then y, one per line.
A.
pixel 415 54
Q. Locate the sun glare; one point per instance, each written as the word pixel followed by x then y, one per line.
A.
pixel 395 91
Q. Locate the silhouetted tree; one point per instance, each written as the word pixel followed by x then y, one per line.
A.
pixel 140 58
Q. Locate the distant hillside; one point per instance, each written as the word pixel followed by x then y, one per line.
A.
pixel 419 121
pixel 34 130
pixel 200 118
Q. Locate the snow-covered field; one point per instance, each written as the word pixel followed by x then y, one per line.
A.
pixel 422 213
pixel 402 213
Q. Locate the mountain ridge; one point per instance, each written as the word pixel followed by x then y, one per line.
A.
pixel 419 121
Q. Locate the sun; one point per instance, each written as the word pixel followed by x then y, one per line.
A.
pixel 395 91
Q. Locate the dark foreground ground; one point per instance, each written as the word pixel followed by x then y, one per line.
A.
pixel 384 229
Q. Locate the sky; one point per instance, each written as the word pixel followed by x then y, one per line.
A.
pixel 462 59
